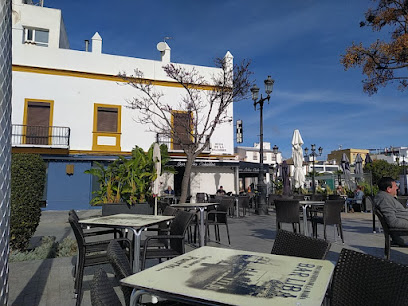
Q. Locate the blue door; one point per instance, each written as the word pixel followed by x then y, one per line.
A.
pixel 68 187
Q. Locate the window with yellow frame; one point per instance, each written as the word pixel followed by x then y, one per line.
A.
pixel 107 127
pixel 37 121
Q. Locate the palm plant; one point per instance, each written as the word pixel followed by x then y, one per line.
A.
pixel 128 180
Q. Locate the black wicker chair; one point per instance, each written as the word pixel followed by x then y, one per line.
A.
pixel 287 211
pixel 294 244
pixel 218 217
pixel 318 197
pixel 95 231
pixel 173 242
pixel 271 199
pixel 361 279
pixel 121 266
pixel 89 254
pixel 334 197
pixel 201 197
pixel 331 216
pixel 102 292
pixel 388 232
pixel 243 202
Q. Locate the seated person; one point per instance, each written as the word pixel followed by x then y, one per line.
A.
pixel 221 191
pixel 396 215
pixel 340 191
pixel 358 198
pixel 169 191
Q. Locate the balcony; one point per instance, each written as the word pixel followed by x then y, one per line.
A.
pixel 162 138
pixel 40 136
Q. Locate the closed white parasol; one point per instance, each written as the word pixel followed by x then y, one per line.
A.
pixel 297 156
pixel 157 166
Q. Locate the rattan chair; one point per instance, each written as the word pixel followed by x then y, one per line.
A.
pixel 201 197
pixel 243 202
pixel 174 241
pixel 102 292
pixel 287 211
pixel 331 216
pixel 219 216
pixel 95 231
pixel 368 204
pixel 89 254
pixel 271 199
pixel 387 233
pixel 361 279
pixel 121 266
pixel 318 197
pixel 294 244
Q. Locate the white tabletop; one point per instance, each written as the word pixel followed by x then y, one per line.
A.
pixel 236 277
pixel 192 205
pixel 311 202
pixel 127 220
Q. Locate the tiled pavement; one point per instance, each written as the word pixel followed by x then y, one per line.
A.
pixel 50 282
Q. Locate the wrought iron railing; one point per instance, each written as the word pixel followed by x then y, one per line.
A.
pixel 162 138
pixel 33 135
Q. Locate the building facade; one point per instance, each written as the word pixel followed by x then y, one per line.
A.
pixel 249 158
pixel 70 106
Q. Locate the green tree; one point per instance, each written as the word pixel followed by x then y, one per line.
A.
pixel 380 168
pixel 383 62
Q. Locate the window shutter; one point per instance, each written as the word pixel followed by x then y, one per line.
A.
pixel 38 121
pixel 107 119
pixel 182 127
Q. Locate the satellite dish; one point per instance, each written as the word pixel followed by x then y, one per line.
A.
pixel 161 46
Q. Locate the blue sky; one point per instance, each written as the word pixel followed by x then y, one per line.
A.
pixel 297 42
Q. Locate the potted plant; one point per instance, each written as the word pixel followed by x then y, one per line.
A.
pixel 125 185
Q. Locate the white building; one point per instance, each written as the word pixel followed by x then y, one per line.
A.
pixel 249 158
pixel 69 106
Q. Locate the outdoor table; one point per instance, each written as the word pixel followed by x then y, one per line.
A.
pixel 201 207
pixel 217 276
pixel 305 205
pixel 133 222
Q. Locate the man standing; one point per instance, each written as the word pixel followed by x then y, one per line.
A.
pixel 396 215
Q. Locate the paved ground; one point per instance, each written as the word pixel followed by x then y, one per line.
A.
pixel 49 282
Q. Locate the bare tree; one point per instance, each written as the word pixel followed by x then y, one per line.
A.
pixel 201 108
pixel 383 62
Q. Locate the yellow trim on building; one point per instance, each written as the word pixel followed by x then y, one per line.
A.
pixel 97 76
pixel 116 135
pixel 89 152
pixel 51 103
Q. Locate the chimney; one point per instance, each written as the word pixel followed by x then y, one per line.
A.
pixel 164 49
pixel 86 45
pixel 97 43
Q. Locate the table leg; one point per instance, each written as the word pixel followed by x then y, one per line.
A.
pixel 305 229
pixel 135 296
pixel 202 227
pixel 136 248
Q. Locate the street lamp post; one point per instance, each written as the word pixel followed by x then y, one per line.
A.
pixel 313 155
pixel 262 208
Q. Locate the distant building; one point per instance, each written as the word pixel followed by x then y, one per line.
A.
pixel 249 163
pixel 350 153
